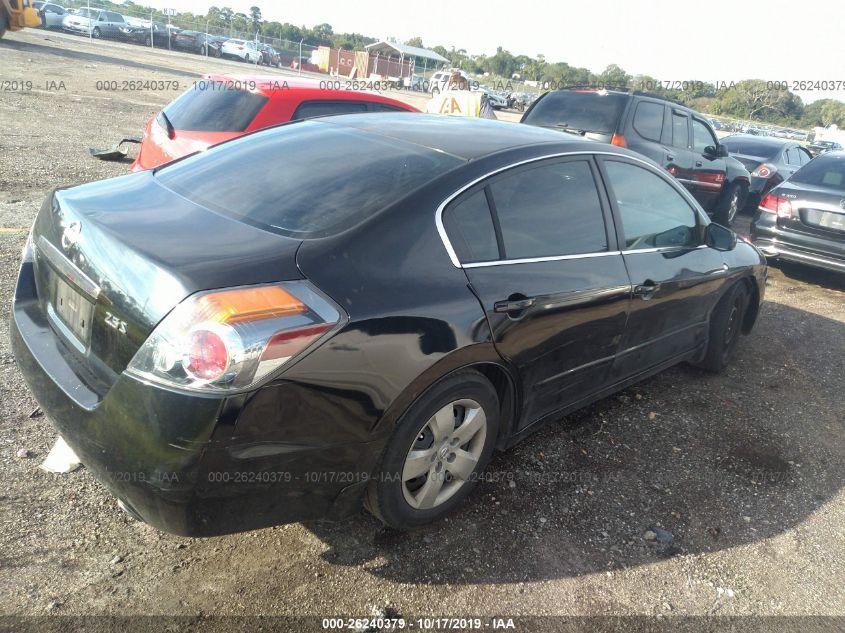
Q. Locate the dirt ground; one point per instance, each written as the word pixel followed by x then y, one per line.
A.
pixel 743 470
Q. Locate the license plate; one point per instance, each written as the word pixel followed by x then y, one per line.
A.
pixel 826 219
pixel 73 310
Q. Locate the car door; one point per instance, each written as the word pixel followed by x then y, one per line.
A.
pixel 535 246
pixel 676 279
pixel 678 159
pixel 708 169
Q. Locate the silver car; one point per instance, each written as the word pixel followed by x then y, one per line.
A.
pixel 94 22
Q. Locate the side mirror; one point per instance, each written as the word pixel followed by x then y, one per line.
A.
pixel 719 237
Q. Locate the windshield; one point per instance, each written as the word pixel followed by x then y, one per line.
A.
pixel 306 179
pixel 589 111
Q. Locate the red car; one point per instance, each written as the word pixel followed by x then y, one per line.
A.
pixel 220 107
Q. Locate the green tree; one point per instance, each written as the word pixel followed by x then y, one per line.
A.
pixel 255 17
pixel 823 113
pixel 415 41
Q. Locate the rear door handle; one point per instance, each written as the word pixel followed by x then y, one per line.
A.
pixel 698 163
pixel 513 305
pixel 646 290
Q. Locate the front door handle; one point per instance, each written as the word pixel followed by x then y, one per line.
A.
pixel 646 290
pixel 513 305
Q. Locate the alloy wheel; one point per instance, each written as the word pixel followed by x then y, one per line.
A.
pixel 444 455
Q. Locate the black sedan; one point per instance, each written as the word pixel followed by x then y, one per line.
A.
pixel 803 219
pixel 237 340
pixel 769 160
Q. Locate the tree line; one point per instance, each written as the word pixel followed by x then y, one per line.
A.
pixel 764 101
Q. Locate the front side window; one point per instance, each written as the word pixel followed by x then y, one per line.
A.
pixel 654 214
pixel 548 210
pixel 701 136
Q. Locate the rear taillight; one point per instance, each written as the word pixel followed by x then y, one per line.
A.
pixel 229 340
pixel 775 204
pixel 618 140
pixel 765 170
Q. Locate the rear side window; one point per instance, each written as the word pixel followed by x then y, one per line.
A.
pixel 654 214
pixel 791 156
pixel 589 111
pixel 311 109
pixel 680 130
pixel 383 107
pixel 648 120
pixel 114 17
pixel 804 156
pixel 470 228
pixel 305 179
pixel 549 210
pixel 211 106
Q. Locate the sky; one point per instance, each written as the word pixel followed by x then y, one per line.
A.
pixel 717 41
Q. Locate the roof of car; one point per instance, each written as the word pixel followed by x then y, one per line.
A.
pixel 464 137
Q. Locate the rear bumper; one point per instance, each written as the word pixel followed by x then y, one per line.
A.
pixel 787 245
pixel 176 459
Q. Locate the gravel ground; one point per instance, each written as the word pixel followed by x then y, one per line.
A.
pixel 689 494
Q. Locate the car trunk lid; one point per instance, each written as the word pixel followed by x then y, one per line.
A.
pixel 816 211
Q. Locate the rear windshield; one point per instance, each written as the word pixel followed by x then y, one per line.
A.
pixel 588 111
pixel 750 147
pixel 212 106
pixel 305 179
pixel 824 171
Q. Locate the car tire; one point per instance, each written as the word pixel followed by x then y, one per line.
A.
pixel 725 328
pixel 729 205
pixel 96 33
pixel 148 41
pixel 452 425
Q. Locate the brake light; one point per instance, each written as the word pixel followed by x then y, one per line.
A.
pixel 775 204
pixel 227 340
pixel 764 171
pixel 618 140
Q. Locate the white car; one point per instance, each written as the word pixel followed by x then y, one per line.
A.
pixel 243 50
pixel 440 80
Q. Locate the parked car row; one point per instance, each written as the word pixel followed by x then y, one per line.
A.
pixel 100 23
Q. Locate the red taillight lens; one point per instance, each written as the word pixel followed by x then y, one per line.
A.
pixel 227 340
pixel 618 140
pixel 775 204
pixel 764 171
pixel 207 357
